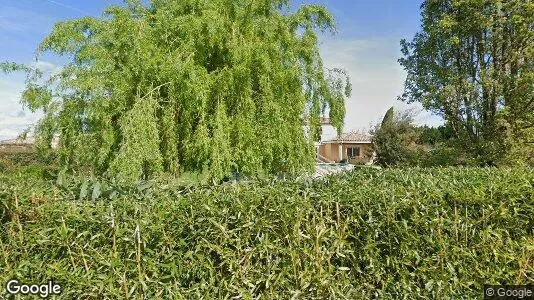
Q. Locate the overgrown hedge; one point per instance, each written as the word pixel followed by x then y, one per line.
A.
pixel 15 160
pixel 414 233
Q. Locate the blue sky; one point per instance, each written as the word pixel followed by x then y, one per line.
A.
pixel 366 44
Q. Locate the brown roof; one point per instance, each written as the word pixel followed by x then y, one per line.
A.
pixel 352 137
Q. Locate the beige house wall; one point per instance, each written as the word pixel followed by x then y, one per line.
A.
pixel 329 151
pixel 338 151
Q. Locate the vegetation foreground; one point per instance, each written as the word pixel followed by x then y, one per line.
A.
pixel 412 233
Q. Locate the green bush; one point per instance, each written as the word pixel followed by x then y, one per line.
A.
pixel 3 165
pixel 444 155
pixel 394 233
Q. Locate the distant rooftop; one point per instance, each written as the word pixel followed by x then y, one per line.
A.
pixel 352 137
pixel 29 141
pixel 18 142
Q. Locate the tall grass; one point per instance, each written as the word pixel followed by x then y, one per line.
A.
pixel 405 233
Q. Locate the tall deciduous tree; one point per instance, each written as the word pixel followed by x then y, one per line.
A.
pixel 472 63
pixel 216 85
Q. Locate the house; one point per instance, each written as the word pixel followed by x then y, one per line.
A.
pixel 353 147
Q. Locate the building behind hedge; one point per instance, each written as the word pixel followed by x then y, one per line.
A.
pixel 353 147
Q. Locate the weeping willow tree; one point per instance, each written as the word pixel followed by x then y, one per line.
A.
pixel 218 86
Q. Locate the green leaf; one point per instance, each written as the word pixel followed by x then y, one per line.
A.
pixel 96 191
pixel 84 189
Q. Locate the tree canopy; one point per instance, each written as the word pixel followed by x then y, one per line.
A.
pixel 218 86
pixel 472 63
pixel 394 138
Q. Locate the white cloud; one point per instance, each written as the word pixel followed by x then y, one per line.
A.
pixel 377 79
pixel 13 118
pixel 8 133
pixel 17 121
pixel 45 66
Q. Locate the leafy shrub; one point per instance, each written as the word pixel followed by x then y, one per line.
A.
pixel 394 139
pixel 14 160
pixel 3 166
pixel 444 155
pixel 394 233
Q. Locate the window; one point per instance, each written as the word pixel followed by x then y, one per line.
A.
pixel 353 152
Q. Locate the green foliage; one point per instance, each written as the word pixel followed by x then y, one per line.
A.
pixel 28 159
pixel 445 155
pixel 388 117
pixel 140 147
pixel 394 139
pixel 434 135
pixel 9 67
pixel 437 147
pixel 394 234
pixel 218 86
pixel 398 142
pixel 471 64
